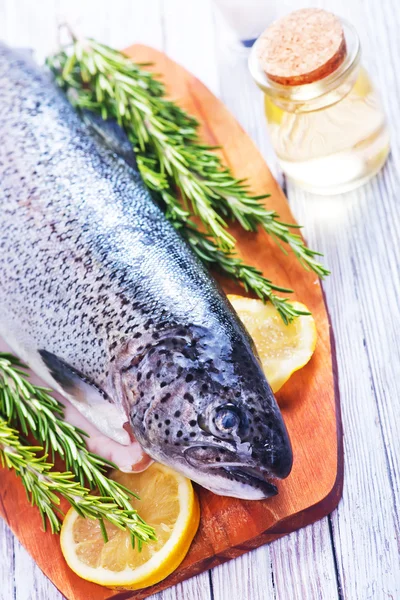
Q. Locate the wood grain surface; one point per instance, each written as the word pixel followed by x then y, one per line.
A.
pixel 309 401
pixel 354 553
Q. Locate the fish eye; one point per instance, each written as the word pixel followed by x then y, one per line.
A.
pixel 227 418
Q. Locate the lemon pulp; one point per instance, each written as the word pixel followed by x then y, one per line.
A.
pixel 282 348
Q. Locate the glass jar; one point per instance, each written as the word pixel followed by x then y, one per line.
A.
pixel 330 136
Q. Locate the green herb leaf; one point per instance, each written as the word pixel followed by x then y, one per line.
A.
pixel 172 159
pixel 32 409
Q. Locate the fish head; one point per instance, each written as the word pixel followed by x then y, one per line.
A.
pixel 200 403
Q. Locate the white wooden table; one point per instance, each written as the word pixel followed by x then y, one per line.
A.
pixel 354 553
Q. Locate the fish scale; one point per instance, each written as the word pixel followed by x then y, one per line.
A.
pixel 105 301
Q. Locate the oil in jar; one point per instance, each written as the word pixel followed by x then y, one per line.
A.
pixel 329 133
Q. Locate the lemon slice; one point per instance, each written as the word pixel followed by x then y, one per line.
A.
pixel 167 502
pixel 282 348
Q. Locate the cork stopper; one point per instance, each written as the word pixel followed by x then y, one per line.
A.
pixel 302 47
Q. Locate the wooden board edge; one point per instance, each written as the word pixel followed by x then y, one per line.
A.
pixel 326 505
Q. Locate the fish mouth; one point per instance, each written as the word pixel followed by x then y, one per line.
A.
pixel 249 476
pixel 229 477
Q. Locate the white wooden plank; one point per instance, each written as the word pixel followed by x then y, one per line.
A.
pixel 119 24
pixel 189 38
pixel 7 562
pixel 359 236
pixel 299 566
pixel 20 577
pixel 248 577
pixel 365 523
pixel 132 22
pixel 303 564
pixel 30 582
pixel 27 27
pixel 196 588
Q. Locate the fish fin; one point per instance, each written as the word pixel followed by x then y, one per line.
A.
pixel 72 381
pixel 112 135
pixel 88 398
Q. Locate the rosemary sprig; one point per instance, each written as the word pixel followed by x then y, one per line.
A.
pixel 44 486
pixel 225 261
pixel 171 157
pixel 14 454
pixel 32 409
pixel 105 81
pixel 232 266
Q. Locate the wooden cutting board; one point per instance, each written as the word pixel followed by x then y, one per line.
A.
pixel 309 401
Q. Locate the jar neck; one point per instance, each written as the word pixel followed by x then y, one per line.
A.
pixel 319 94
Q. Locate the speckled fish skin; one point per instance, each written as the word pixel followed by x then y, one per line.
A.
pixel 104 300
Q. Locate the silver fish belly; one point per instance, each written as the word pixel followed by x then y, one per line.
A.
pixel 104 300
